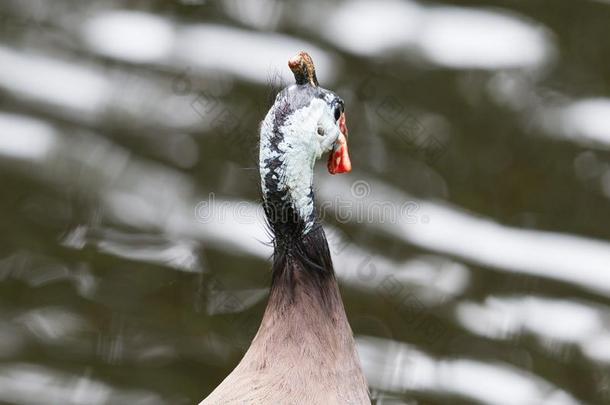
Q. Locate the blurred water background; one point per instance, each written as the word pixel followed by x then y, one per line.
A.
pixel 472 240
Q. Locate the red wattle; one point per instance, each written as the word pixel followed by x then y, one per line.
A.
pixel 339 161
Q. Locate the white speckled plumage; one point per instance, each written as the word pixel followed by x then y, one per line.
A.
pixel 300 147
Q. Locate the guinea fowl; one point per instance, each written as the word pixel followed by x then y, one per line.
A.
pixel 304 351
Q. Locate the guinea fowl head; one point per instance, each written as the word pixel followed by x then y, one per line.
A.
pixel 305 122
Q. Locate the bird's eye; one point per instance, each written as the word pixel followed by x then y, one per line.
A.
pixel 338 108
pixel 337 112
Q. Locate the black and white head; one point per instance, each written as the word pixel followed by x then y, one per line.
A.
pixel 305 122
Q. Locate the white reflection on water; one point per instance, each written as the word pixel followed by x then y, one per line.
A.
pixel 388 25
pixel 261 14
pixel 30 384
pixel 52 323
pixel 582 121
pixel 36 270
pixel 146 38
pixel 25 138
pixel 98 165
pixel 130 35
pixel 399 368
pixel 177 254
pixel 73 88
pixel 587 121
pixel 249 55
pixel 442 228
pixel 551 320
pixel 433 279
pixel 95 94
pixel 471 38
pixel 455 37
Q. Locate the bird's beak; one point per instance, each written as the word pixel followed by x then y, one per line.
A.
pixel 338 161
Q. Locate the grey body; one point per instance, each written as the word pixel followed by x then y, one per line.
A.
pixel 303 353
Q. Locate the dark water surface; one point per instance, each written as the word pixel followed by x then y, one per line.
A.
pixel 472 240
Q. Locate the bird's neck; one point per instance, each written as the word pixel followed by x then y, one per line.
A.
pixel 305 326
pixel 305 343
pixel 288 200
pixel 286 163
pixel 304 339
pixel 303 264
pixel 301 258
